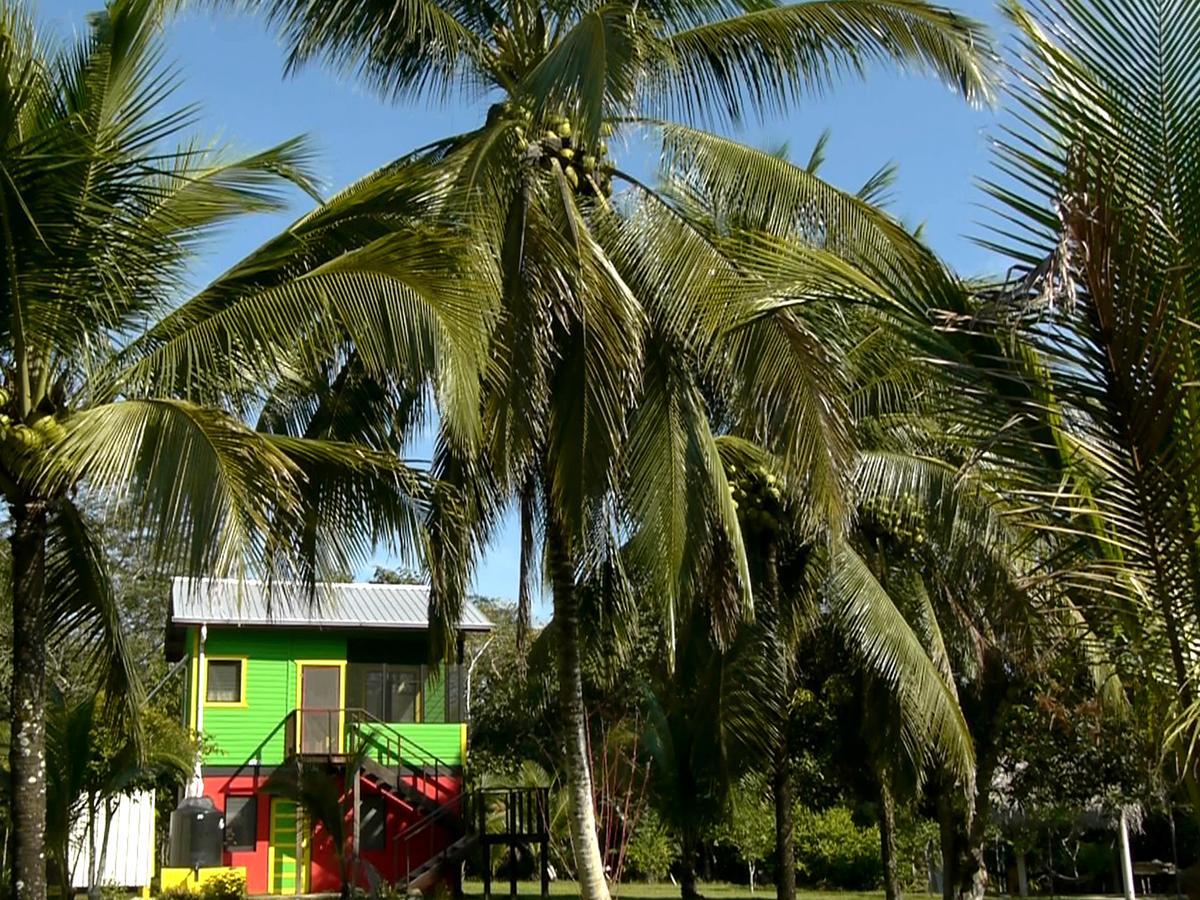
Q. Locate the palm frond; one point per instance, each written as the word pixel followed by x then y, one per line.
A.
pixel 209 491
pixel 678 497
pixel 84 610
pixel 1097 204
pixel 767 59
pixel 885 641
pixel 408 49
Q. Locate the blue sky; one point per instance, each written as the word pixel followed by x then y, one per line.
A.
pixel 233 68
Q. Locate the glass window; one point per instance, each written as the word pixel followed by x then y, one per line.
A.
pixel 404 687
pixel 455 700
pixel 241 822
pixel 372 832
pixel 224 681
pixel 386 692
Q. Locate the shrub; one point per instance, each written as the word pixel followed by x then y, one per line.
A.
pixel 832 851
pixel 178 892
pixel 224 886
pixel 652 848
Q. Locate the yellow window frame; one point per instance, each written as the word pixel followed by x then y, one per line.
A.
pixel 243 670
pixel 341 666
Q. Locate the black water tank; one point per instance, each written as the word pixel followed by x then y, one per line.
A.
pixel 197 829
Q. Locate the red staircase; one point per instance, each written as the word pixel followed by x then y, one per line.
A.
pixel 448 822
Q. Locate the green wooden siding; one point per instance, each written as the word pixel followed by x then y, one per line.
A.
pixel 434 700
pixel 237 735
pixel 442 743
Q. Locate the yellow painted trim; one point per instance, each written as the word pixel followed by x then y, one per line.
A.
pixel 192 879
pixel 304 874
pixel 220 704
pixel 341 664
pixel 462 742
pixel 195 680
pixel 271 843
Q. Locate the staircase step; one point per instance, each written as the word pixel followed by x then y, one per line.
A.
pixel 386 779
pixel 426 875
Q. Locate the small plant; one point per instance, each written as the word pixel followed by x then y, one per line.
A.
pixel 652 849
pixel 833 851
pixel 181 891
pixel 224 886
pixel 112 891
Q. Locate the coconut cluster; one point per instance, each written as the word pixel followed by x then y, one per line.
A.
pixel 900 522
pixel 19 440
pixel 757 498
pixel 585 168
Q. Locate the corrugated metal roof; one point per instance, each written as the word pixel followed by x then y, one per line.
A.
pixel 236 602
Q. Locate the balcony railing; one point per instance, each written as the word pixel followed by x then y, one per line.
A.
pixel 351 731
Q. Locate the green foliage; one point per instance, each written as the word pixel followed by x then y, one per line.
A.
pixel 833 851
pixel 224 886
pixel 916 840
pixel 181 891
pixel 750 826
pixel 652 849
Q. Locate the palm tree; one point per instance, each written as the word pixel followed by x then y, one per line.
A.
pixel 111 390
pixel 605 310
pixel 1093 195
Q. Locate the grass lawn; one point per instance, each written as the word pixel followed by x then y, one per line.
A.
pixel 663 891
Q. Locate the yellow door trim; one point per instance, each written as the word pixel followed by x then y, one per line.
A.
pixel 271 847
pixel 341 665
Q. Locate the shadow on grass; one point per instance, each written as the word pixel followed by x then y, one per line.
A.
pixel 663 891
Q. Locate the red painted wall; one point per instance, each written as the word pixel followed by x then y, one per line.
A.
pixel 218 787
pixel 324 875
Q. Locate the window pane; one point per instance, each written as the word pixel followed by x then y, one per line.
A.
pixel 373 693
pixel 372 833
pixel 403 687
pixel 454 694
pixel 224 681
pixel 241 822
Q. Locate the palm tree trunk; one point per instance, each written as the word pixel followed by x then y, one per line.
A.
pixel 27 752
pixel 887 834
pixel 781 784
pixel 687 863
pixel 975 878
pixel 785 850
pixel 589 864
pixel 95 890
pixel 948 838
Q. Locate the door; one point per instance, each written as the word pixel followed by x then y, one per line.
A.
pixel 320 709
pixel 285 849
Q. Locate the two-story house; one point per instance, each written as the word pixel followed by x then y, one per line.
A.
pixel 345 685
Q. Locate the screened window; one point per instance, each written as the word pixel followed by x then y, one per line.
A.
pixel 404 687
pixel 241 822
pixel 372 833
pixel 224 681
pixel 389 693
